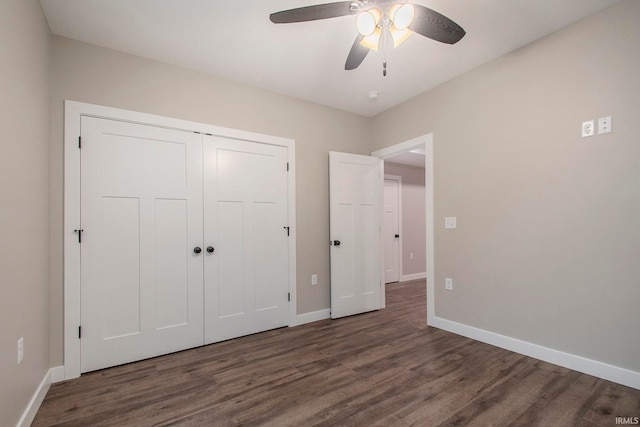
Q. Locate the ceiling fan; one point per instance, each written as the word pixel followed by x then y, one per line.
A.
pixel 375 20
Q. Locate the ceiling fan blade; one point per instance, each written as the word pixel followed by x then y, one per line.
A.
pixel 436 26
pixel 356 54
pixel 313 13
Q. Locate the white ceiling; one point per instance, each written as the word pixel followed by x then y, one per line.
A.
pixel 234 39
pixel 407 158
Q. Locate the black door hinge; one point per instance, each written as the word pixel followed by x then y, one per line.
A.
pixel 287 166
pixel 287 228
pixel 79 332
pixel 79 142
pixel 79 231
pixel 289 296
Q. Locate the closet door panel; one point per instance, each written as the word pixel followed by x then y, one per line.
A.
pixel 141 212
pixel 245 219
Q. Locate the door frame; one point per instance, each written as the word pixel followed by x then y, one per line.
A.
pixel 73 112
pixel 398 179
pixel 426 142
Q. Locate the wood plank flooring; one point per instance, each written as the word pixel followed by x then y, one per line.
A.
pixel 384 368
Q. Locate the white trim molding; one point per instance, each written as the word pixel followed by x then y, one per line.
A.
pixel 313 316
pixel 36 400
pixel 74 111
pixel 57 374
pixel 415 276
pixel 577 363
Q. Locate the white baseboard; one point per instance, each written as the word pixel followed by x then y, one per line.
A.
pixel 35 402
pixel 410 277
pixel 577 363
pixel 313 316
pixel 57 374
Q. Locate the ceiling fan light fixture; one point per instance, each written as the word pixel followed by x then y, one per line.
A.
pixel 398 35
pixel 372 41
pixel 367 21
pixel 399 21
pixel 401 15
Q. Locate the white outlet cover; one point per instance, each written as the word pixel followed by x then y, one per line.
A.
pixel 588 128
pixel 448 284
pixel 604 125
pixel 450 222
pixel 314 279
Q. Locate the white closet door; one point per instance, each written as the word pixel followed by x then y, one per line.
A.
pixel 246 275
pixel 141 212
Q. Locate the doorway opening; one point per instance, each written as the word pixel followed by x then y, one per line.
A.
pixel 413 161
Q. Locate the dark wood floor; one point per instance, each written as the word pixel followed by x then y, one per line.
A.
pixel 384 368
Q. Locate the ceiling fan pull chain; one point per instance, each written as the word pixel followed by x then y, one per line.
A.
pixel 384 61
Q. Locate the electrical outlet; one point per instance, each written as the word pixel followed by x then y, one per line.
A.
pixel 450 222
pixel 588 128
pixel 20 349
pixel 411 255
pixel 448 284
pixel 604 125
pixel 314 279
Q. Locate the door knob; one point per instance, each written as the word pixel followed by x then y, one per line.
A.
pixel 336 243
pixel 397 235
pixel 197 250
pixel 210 249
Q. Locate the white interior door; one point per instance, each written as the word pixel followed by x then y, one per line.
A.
pixel 246 275
pixel 391 230
pixel 141 215
pixel 355 225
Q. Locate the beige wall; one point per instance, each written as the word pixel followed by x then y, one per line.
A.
pixel 24 216
pixel 87 73
pixel 548 237
pixel 413 217
pixel 548 225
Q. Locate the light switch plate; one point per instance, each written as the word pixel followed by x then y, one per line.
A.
pixel 450 222
pixel 448 284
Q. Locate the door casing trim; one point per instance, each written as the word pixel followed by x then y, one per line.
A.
pixel 426 142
